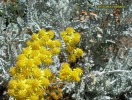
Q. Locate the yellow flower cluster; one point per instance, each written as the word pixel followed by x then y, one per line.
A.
pixel 29 82
pixel 67 74
pixel 71 39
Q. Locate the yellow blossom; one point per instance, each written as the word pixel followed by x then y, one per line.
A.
pixel 45 82
pixel 79 70
pixel 35 83
pixel 20 76
pixel 72 58
pixel 47 72
pixel 35 45
pixel 27 51
pixel 75 76
pixel 76 38
pixel 63 33
pixel 37 73
pixel 34 36
pixel 21 94
pixel 70 48
pixel 70 30
pixel 30 63
pixel 21 85
pixel 50 44
pixel 34 54
pixel 55 51
pixel 45 38
pixel 57 43
pixel 37 61
pixel 65 66
pixel 34 97
pixel 21 63
pixel 11 92
pixel 48 61
pixel 50 34
pixel 42 32
pixel 67 39
pixel 21 57
pixel 12 84
pixel 12 71
pixel 79 52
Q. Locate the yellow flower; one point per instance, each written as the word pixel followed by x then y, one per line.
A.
pixel 40 42
pixel 26 51
pixel 30 63
pixel 70 30
pixel 21 94
pixel 42 32
pixel 76 38
pixel 47 73
pixel 21 57
pixel 37 61
pixel 21 85
pixel 79 70
pixel 42 50
pixel 50 44
pixel 63 33
pixel 35 45
pixel 45 38
pixel 37 73
pixel 28 43
pixel 75 76
pixel 21 63
pixel 70 48
pixel 35 83
pixel 21 76
pixel 12 84
pixel 11 92
pixel 45 82
pixel 34 54
pixel 55 51
pixel 57 43
pixel 34 36
pixel 34 97
pixel 50 34
pixel 72 58
pixel 48 61
pixel 65 66
pixel 25 73
pixel 67 39
pixel 65 72
pixel 79 52
pixel 42 57
pixel 12 71
pixel 40 92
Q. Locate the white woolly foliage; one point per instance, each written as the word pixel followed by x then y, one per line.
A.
pixel 107 62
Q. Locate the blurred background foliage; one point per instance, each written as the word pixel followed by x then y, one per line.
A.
pixel 106 38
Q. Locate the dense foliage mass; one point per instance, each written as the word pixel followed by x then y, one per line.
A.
pixel 66 49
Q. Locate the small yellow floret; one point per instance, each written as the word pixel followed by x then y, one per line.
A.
pixel 70 30
pixel 34 36
pixel 12 71
pixel 57 43
pixel 55 51
pixel 47 73
pixel 79 52
pixel 45 82
pixel 72 58
pixel 42 32
pixel 50 34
